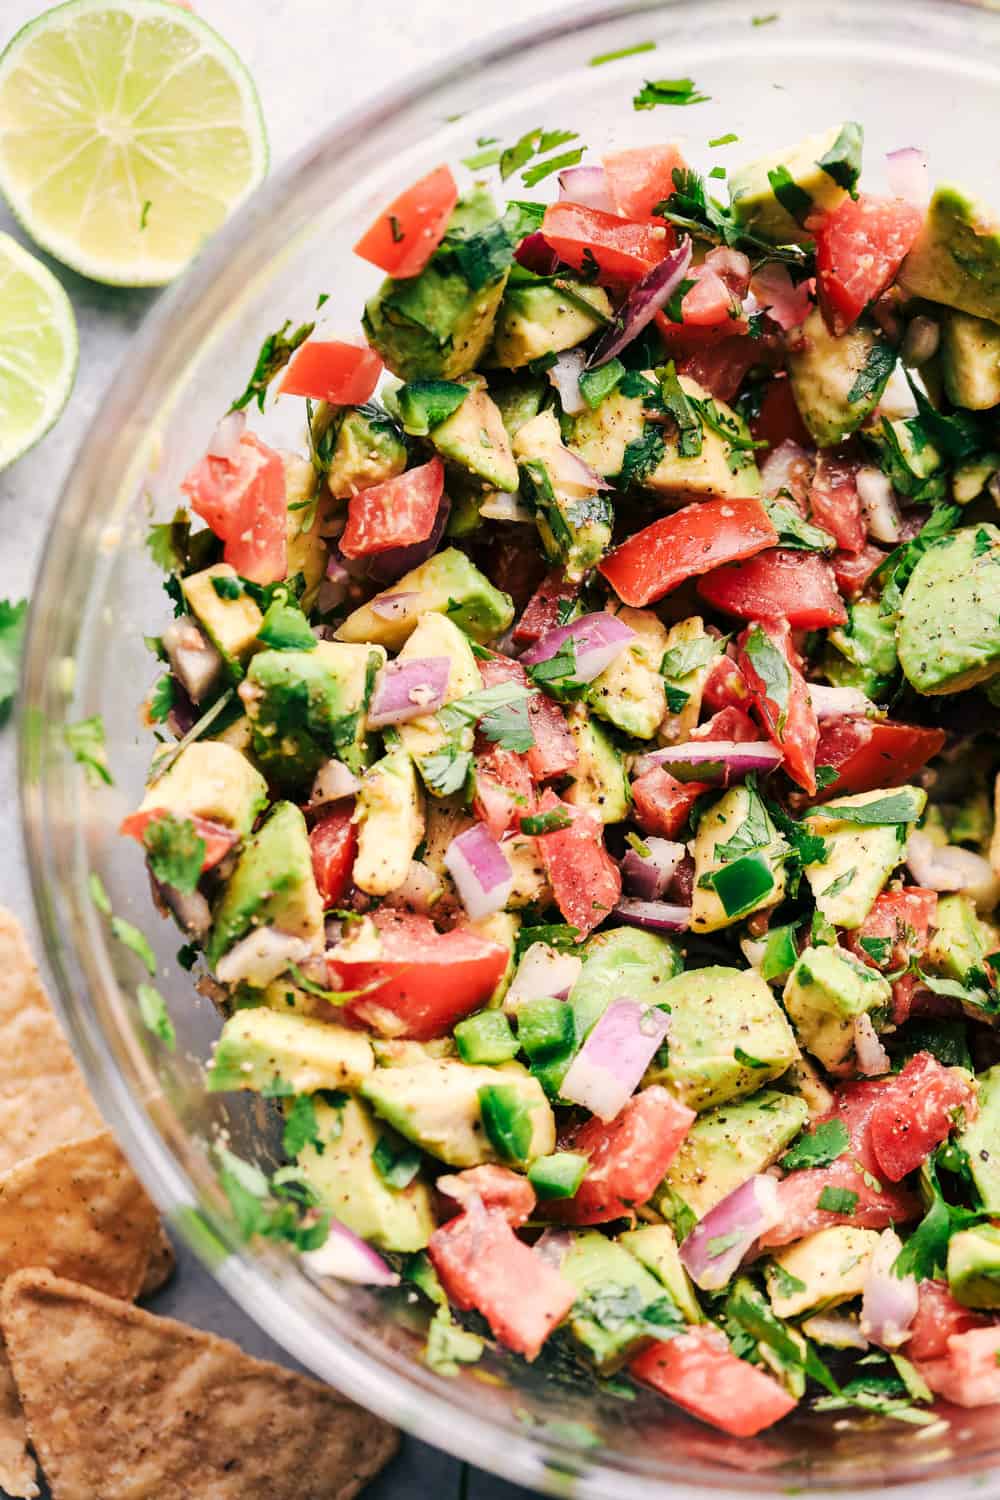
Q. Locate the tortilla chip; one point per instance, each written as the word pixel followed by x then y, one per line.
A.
pixel 81 1212
pixel 161 1264
pixel 43 1098
pixel 17 1467
pixel 127 1406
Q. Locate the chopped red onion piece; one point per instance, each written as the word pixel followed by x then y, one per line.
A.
pixel 408 690
pixel 597 639
pixel 716 761
pixel 641 305
pixel 833 702
pixel 950 868
pixel 386 567
pixel 535 253
pixel 717 1246
pixel 225 441
pixel 878 505
pixel 335 569
pixel 840 1332
pixel 393 606
pixel 587 186
pixel 482 875
pixel 889 1302
pixel 194 661
pixel 333 781
pixel 732 267
pixel 609 1066
pixel 789 305
pixel 872 1058
pixel 553 1246
pixel 349 1258
pixel 568 471
pixel 500 506
pixel 543 973
pixel 420 891
pixel 261 956
pixel 655 916
pixel 909 175
pixel 647 876
pixel 787 467
pixel 565 376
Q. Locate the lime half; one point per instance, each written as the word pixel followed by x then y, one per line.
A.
pixel 38 349
pixel 128 132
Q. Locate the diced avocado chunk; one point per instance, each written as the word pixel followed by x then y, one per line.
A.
pixel 825 993
pixel 475 438
pixel 307 706
pixel 727 1145
pixel 867 651
pixel 436 636
pixel 630 692
pixel 860 857
pixel 956 256
pixel 264 1049
pixel 307 547
pixel 536 318
pixel 655 1247
pixel 903 453
pixel 600 436
pixel 728 1037
pixel 447 582
pixel 518 398
pixel 272 886
pixel 390 819
pixel 970 360
pixel 230 624
pixel 368 448
pixel 210 780
pixel 837 382
pixel 738 861
pixel 949 620
pixel 437 1106
pixel 603 1272
pixel 599 779
pixel 687 642
pixel 832 1264
pixel 621 961
pixel 957 945
pixel 974 1266
pixel 434 324
pixel 968 480
pixel 348 1182
pixel 773 196
pixel 981 1141
pixel 573 520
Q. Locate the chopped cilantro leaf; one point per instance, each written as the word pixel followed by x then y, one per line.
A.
pixel 748 1061
pixel 275 352
pixel 771 666
pixel 175 851
pixel 819 1147
pixel 835 1200
pixel 155 1016
pixel 642 455
pixel 13 619
pixel 546 822
pixel 793 199
pixel 724 140
pixel 871 378
pixel 85 740
pixel 301 1126
pixel 899 807
pixel 668 91
pixel 447 770
pixel 130 937
pixel 544 169
pixel 397 1163
pixel 161 700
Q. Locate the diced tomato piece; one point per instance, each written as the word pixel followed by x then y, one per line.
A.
pixel 969 1374
pixel 503 787
pixel 938 1317
pixel 878 1204
pixel 720 367
pixel 859 248
pixel 730 723
pixel 778 584
pixel 495 1187
pixel 834 500
pixel 423 981
pixel 217 838
pixel 778 420
pixel 628 1156
pixel 662 803
pixel 725 686
pixel 641 177
pixel 905 918
pixel 396 513
pixel 334 844
pixel 332 370
pixel 404 237
pixel 623 251
pixel 554 751
pixel 787 473
pixel 916 1112
pixel 684 545
pixel 788 715
pixel 852 571
pixel 699 1372
pixel 867 754
pixel 585 880
pixel 242 499
pixel 541 613
pixel 513 561
pixel 709 302
pixel 483 1264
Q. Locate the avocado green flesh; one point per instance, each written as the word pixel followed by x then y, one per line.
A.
pixel 949 624
pixel 956 257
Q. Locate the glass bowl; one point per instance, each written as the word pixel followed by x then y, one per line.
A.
pixel 916 73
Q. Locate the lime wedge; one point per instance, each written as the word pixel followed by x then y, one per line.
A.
pixel 38 349
pixel 128 132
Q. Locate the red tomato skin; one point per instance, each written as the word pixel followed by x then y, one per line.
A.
pixel 778 420
pixel 799 734
pixel 554 751
pixel 684 545
pixel 720 367
pixel 541 613
pixel 503 787
pixel 405 235
pixel 424 981
pixel 218 839
pixel 699 1372
pixel 917 1112
pixel 834 501
pixel 629 1157
pixel 868 755
pixel 496 1188
pixel 243 502
pixel 333 841
pixel 585 880
pixel 709 303
pixel 662 803
pixel 853 570
pixel 731 723
pixel 938 1317
pixel 396 513
pixel 969 1374
pixel 641 177
pixel 331 370
pixel 623 251
pixel 483 1264
pixel 725 686
pixel 777 584
pixel 906 917
pixel 859 248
